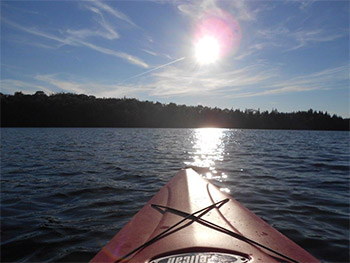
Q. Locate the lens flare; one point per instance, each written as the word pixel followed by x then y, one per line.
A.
pixel 216 36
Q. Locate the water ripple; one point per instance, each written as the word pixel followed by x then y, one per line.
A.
pixel 66 192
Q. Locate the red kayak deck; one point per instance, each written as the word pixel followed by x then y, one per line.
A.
pixel 193 240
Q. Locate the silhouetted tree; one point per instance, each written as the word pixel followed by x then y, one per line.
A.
pixel 73 110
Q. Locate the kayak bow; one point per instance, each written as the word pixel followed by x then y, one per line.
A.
pixel 191 221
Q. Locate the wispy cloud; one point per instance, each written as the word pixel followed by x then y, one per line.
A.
pixel 70 83
pixel 21 39
pixel 78 37
pixel 9 86
pixel 21 10
pixel 318 80
pixel 150 52
pixel 170 81
pixel 56 83
pixel 156 68
pixel 156 54
pixel 113 11
pixel 86 33
pixel 303 4
pixel 191 81
pixel 304 38
pixel 250 50
pixel 241 10
pixel 127 57
pixel 77 40
pixel 328 79
pixel 34 31
pixel 290 40
pixel 291 32
pixel 106 31
pixel 271 92
pixel 197 9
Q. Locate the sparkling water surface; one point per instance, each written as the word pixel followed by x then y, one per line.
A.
pixel 66 192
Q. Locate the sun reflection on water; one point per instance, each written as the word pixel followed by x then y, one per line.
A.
pixel 208 149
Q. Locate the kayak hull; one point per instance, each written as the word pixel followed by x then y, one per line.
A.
pixel 192 241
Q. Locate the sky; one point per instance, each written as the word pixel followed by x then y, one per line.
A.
pixel 289 55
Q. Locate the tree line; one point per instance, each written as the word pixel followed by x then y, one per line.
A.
pixel 79 110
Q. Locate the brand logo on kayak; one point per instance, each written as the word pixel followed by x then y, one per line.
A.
pixel 205 257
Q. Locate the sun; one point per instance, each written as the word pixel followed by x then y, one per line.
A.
pixel 216 36
pixel 207 50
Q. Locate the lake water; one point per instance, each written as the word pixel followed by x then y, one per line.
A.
pixel 66 192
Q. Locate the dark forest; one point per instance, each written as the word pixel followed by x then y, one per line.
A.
pixel 73 110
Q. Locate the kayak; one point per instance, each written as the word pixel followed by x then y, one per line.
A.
pixel 191 221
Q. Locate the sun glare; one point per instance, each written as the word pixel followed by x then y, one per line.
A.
pixel 216 36
pixel 207 50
